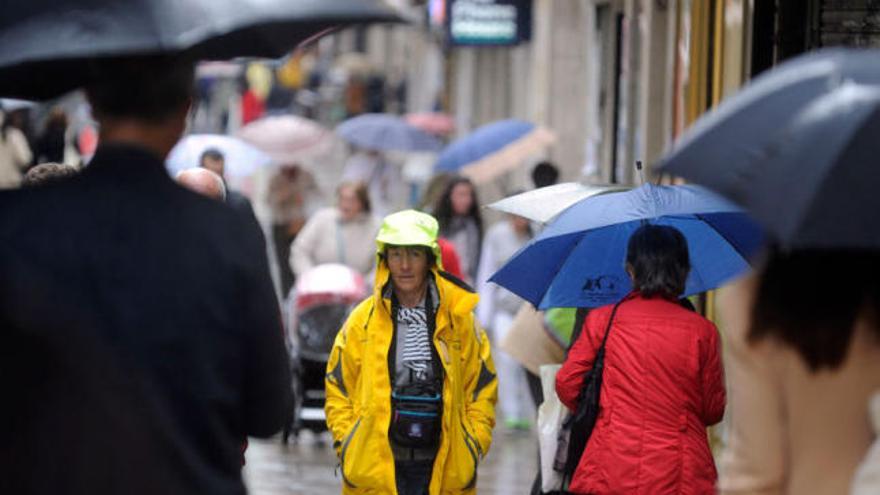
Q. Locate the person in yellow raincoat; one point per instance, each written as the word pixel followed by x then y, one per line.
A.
pixel 411 387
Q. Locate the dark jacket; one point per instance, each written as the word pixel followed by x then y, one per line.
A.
pixel 239 202
pixel 662 386
pixel 141 335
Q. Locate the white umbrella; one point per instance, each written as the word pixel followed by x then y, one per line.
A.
pixel 240 158
pixel 544 204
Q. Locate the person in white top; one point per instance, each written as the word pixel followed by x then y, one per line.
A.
pixel 337 234
pixel 496 310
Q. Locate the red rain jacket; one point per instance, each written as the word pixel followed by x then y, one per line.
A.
pixel 663 384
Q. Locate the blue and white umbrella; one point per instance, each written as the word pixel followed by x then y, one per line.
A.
pixel 579 258
pixel 494 149
pixel 384 132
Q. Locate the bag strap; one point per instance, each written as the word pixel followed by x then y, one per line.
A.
pixel 600 355
pixel 610 321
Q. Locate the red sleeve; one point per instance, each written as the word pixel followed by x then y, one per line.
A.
pixel 449 258
pixel 570 378
pixel 712 373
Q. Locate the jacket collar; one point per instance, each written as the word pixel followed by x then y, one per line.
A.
pixel 451 299
pixel 127 161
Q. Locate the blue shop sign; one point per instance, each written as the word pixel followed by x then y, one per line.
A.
pixel 488 22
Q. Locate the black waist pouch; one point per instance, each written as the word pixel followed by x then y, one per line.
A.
pixel 416 418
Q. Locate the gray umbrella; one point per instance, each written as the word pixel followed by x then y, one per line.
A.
pixel 385 132
pixel 745 123
pixel 799 150
pixel 48 45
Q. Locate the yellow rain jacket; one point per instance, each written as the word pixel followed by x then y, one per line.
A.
pixel 358 385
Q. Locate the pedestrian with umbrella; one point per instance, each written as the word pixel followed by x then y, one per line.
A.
pixel 660 382
pixel 296 145
pixel 579 259
pixel 803 346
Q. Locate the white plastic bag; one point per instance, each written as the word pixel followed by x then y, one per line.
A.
pixel 867 479
pixel 550 416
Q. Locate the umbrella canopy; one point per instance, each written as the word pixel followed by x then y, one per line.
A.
pixel 742 125
pixel 545 203
pixel 12 104
pixel 578 260
pixel 493 149
pixel 810 177
pixel 384 132
pixel 48 45
pixel 240 159
pixel 438 124
pixel 288 138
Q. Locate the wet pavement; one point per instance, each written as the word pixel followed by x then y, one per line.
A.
pixel 307 466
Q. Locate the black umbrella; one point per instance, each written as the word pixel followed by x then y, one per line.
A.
pixel 48 45
pixel 799 150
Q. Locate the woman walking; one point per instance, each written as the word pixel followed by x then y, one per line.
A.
pixel 458 213
pixel 662 385
pixel 336 235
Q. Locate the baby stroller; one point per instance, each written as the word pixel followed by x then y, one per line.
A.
pixel 321 301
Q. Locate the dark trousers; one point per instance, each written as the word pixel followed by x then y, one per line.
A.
pixel 413 477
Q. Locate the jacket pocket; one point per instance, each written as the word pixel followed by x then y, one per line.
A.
pixel 475 453
pixel 460 472
pixel 359 459
pixel 345 444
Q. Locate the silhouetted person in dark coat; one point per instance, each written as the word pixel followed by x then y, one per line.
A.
pixel 141 334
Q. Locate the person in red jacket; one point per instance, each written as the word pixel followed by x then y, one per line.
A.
pixel 663 381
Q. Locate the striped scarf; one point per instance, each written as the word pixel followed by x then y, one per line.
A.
pixel 417 344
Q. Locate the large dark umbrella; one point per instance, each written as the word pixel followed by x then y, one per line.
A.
pixel 799 150
pixel 48 45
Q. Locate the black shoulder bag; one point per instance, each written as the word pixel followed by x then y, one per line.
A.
pixel 577 427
